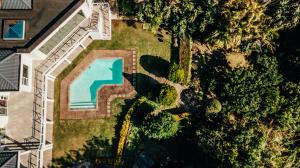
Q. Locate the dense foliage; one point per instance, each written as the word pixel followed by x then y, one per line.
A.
pixel 178 15
pixel 176 73
pixel 160 126
pixel 232 24
pixel 167 95
pixel 247 116
pixel 251 130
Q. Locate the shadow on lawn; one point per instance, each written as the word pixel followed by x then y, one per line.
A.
pixel 94 148
pixel 146 85
pixel 155 65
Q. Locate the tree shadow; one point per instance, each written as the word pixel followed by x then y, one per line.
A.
pixel 155 65
pixel 132 23
pixel 174 49
pixel 209 69
pixel 94 148
pixel 146 85
pixel 141 112
pixel 289 54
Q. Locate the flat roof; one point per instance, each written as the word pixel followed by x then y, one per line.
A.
pixel 37 19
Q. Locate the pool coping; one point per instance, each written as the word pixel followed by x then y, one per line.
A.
pixel 107 93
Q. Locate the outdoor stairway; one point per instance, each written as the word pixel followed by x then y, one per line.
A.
pixel 106 20
pixel 94 20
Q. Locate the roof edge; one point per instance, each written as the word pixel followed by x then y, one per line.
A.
pixel 50 27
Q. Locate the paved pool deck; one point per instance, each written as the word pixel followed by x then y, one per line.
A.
pixel 107 93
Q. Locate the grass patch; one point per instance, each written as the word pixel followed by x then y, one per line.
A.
pixel 73 134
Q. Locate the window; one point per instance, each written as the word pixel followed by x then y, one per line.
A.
pixel 25 75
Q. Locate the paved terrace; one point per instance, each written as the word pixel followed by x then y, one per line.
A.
pixel 104 95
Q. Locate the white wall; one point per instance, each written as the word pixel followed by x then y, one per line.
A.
pixel 3 121
pixel 26 59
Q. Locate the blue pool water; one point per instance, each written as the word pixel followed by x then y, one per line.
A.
pixel 83 90
pixel 15 31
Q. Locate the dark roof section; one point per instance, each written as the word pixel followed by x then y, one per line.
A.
pixel 39 19
pixel 16 4
pixel 10 73
pixel 5 53
pixel 8 159
pixel 48 29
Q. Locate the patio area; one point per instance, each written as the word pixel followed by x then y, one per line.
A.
pixel 104 95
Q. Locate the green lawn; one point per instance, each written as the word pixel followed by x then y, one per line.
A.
pixel 72 134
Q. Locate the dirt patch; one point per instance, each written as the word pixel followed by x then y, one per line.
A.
pixel 236 60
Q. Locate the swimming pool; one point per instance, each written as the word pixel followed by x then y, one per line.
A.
pixel 14 30
pixel 83 90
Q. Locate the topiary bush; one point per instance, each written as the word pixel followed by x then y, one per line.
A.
pixel 167 95
pixel 213 106
pixel 176 73
pixel 161 126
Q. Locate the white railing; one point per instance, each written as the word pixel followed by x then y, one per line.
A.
pixel 42 91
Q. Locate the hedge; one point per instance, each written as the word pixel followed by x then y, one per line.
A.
pixel 124 131
pixel 185 57
pixel 176 73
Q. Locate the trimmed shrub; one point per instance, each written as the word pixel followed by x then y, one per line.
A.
pixel 185 58
pixel 167 95
pixel 161 126
pixel 176 73
pixel 213 106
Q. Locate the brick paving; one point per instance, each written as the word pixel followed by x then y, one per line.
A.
pixel 107 93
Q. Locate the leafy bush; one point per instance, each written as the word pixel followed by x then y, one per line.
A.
pixel 176 73
pixel 161 126
pixel 213 106
pixel 167 95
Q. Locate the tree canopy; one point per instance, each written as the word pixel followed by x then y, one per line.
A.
pixel 160 126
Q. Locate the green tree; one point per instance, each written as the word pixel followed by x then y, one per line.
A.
pixel 246 24
pixel 176 73
pixel 167 95
pixel 161 126
pixel 252 129
pixel 213 106
pixel 177 15
pixel 154 13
